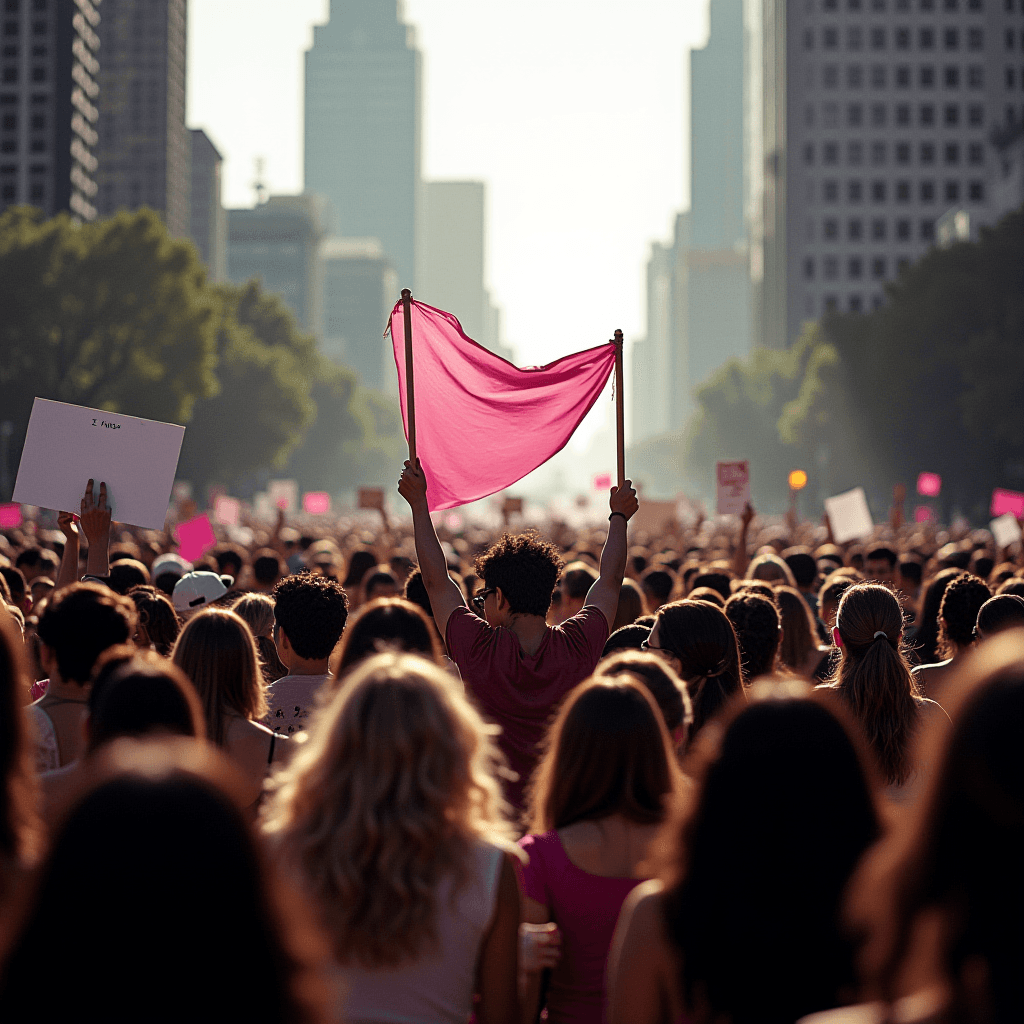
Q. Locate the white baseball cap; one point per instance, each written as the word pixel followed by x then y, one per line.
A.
pixel 198 589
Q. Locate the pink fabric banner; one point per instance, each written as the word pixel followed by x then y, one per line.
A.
pixel 482 423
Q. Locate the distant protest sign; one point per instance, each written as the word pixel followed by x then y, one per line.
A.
pixel 655 516
pixel 371 497
pixel 316 503
pixel 226 510
pixel 195 538
pixel 284 494
pixel 67 445
pixel 732 487
pixel 602 482
pixel 929 485
pixel 1006 530
pixel 1002 502
pixel 10 515
pixel 849 516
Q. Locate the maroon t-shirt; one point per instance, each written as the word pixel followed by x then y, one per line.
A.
pixel 519 691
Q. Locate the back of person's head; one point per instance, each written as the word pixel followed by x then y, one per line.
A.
pixel 607 752
pixel 387 624
pixel 577 579
pixel 380 583
pixel 765 590
pixel 217 652
pixel 230 560
pixel 873 676
pixel 257 612
pixel 390 793
pixel 707 594
pixel 626 638
pixel 156 616
pixel 836 584
pixel 957 856
pixel 80 622
pixel 1000 613
pixel 667 689
pixel 28 558
pixel 926 641
pixel 758 630
pixel 631 605
pixel 312 612
pixel 267 567
pixel 703 640
pixel 882 553
pixel 982 564
pixel 802 565
pixel 720 582
pixel 783 775
pixel 954 556
pixel 958 613
pixel 359 564
pixel 1012 586
pixel 771 569
pixel 657 584
pixel 799 634
pixel 126 574
pixel 15 580
pixel 155 853
pixel 416 592
pixel 20 831
pixel 524 568
pixel 910 570
pixel 145 694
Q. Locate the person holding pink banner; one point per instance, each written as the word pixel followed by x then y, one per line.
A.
pixel 518 668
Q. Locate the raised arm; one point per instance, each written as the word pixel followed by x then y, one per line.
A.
pixel 96 524
pixel 604 594
pixel 739 556
pixel 444 594
pixel 68 572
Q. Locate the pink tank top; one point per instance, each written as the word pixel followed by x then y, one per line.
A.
pixel 438 987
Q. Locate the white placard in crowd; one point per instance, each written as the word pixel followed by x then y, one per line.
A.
pixel 66 445
pixel 849 515
pixel 1006 530
pixel 732 481
pixel 284 494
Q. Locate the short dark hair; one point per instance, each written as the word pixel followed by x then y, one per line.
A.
pixel 380 578
pixel 525 568
pixel 667 689
pixel 659 582
pixel 802 565
pixel 312 611
pixel 230 560
pixel 388 622
pixel 82 621
pixel 142 693
pixel 30 556
pixel 127 573
pixel 266 566
pixel 757 624
pixel 1004 611
pixel 881 553
pixel 626 638
pixel 958 613
pixel 719 581
pixel 708 594
pixel 577 579
pixel 911 569
pixel 416 592
pixel 15 581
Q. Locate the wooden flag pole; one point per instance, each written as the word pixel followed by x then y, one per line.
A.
pixel 410 397
pixel 620 416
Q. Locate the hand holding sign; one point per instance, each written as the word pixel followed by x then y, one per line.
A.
pixel 96 524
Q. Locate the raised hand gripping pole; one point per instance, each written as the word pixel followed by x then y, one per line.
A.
pixel 410 397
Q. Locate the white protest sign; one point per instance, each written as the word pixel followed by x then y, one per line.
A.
pixel 1006 530
pixel 284 494
pixel 733 487
pixel 849 515
pixel 67 445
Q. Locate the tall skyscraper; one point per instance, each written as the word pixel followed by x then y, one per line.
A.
pixel 362 121
pixel 48 105
pixel 144 148
pixel 208 220
pixel 280 244
pixel 879 114
pixel 699 293
pixel 360 289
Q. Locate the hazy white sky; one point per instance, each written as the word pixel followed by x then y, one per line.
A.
pixel 572 111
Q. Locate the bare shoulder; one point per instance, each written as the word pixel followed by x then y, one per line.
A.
pixel 247 742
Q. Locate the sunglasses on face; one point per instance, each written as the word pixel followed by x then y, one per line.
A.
pixel 480 597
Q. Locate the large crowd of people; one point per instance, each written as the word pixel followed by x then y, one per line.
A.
pixel 717 773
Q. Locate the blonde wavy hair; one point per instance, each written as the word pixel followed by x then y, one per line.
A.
pixel 393 789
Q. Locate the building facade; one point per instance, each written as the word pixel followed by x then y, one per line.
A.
pixel 49 89
pixel 144 147
pixel 877 118
pixel 362 126
pixel 208 220
pixel 279 244
pixel 360 289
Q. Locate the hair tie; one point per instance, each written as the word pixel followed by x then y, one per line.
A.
pixel 879 633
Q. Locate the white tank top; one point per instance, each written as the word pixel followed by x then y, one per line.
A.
pixel 436 988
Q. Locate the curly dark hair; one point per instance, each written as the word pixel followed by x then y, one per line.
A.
pixel 312 611
pixel 525 568
pixel 758 630
pixel 958 613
